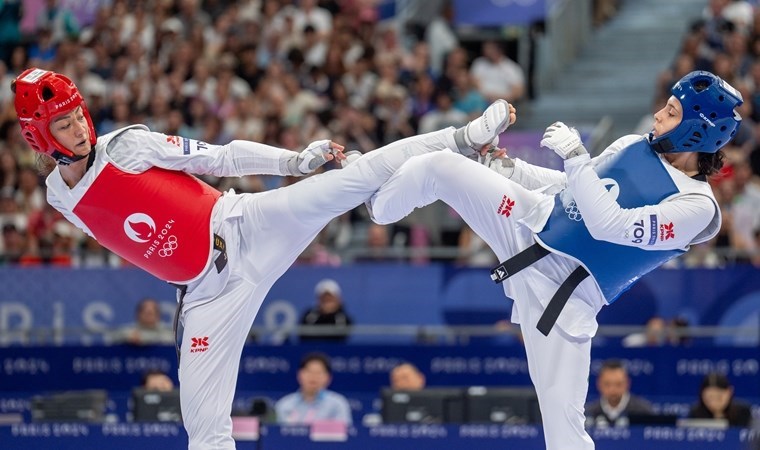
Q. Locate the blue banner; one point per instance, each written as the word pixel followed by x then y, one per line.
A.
pixel 131 436
pixel 654 372
pixel 498 13
pixel 103 300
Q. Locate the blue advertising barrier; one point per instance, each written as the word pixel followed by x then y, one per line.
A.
pixel 399 437
pixel 374 294
pixel 364 368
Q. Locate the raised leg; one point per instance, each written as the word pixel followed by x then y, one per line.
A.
pixel 489 203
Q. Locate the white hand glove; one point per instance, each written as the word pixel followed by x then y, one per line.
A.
pixel 312 158
pixel 504 166
pixel 565 141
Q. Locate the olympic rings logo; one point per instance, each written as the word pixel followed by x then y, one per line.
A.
pixel 573 213
pixel 169 246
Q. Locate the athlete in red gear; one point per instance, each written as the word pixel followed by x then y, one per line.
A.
pixel 131 190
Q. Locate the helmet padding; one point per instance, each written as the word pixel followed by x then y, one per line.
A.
pixel 709 118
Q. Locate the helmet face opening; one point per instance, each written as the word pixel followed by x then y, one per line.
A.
pixel 42 95
pixel 710 118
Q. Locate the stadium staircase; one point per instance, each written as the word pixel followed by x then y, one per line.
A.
pixel 615 72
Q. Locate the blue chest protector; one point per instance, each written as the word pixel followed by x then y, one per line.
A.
pixel 642 179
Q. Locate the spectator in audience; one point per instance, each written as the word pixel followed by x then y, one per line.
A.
pixel 473 250
pixel 678 332
pixel 9 172
pixel 10 213
pixel 616 403
pixel 378 246
pixel 90 254
pixel 603 10
pixel 313 401
pixel 745 206
pixel 441 38
pixel 63 241
pixel 13 245
pixel 328 311
pixel 157 380
pixel 29 194
pixel 10 34
pixel 148 328
pixel 497 76
pixel 654 334
pixel 716 401
pixel 414 18
pixel 154 384
pixel 59 19
pixel 445 114
pixel 407 377
pixel 467 98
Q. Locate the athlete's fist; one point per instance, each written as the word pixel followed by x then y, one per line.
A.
pixel 317 154
pixel 565 141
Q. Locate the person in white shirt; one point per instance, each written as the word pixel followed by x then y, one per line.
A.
pixel 573 241
pixel 132 191
pixel 497 76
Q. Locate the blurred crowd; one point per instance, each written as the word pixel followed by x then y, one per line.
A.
pixel 288 72
pixel 726 41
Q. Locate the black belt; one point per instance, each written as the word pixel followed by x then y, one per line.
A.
pixel 527 257
pixel 220 262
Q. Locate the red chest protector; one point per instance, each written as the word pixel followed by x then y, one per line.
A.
pixel 159 220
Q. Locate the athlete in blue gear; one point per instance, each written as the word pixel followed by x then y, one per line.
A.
pixel 615 217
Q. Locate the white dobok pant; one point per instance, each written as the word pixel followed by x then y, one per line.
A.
pixel 263 238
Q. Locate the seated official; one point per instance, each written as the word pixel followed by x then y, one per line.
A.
pixel 313 401
pixel 616 403
pixel 716 401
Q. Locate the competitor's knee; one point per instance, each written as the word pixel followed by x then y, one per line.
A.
pixel 404 191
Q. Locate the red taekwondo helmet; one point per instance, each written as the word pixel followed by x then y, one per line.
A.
pixel 40 96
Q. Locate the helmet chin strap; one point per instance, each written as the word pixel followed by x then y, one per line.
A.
pixel 662 145
pixel 65 160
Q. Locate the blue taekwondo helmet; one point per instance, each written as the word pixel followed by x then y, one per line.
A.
pixel 709 119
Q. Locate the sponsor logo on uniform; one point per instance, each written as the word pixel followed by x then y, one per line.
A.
pixel 173 140
pixel 199 344
pixel 505 208
pixel 34 75
pixel 666 231
pixel 707 120
pixel 652 229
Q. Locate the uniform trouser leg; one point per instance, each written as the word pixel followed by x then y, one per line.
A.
pixel 559 363
pixel 275 227
pixel 559 368
pixel 213 338
pixel 489 203
pixel 286 220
